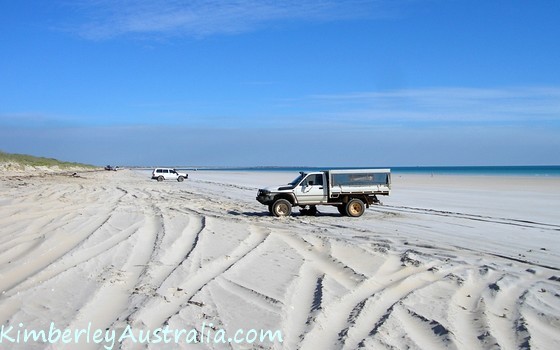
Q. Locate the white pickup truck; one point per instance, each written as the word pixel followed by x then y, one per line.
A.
pixel 351 191
pixel 161 174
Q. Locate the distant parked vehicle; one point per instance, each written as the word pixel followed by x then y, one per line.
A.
pixel 161 174
pixel 351 191
pixel 111 168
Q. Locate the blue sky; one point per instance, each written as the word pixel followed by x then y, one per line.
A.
pixel 309 82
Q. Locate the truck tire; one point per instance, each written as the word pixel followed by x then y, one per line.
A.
pixel 270 209
pixel 160 178
pixel 282 207
pixel 180 179
pixel 355 208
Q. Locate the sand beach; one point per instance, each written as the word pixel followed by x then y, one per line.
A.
pixel 447 262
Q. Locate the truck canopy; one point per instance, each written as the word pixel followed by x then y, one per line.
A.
pixel 360 180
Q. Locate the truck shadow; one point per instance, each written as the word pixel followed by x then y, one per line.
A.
pixel 265 213
pixel 247 213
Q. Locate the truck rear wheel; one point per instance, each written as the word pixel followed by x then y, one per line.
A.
pixel 160 178
pixel 281 207
pixel 355 208
pixel 180 179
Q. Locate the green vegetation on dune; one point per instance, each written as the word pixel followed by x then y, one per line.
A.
pixel 24 159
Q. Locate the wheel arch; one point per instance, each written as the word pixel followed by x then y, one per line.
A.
pixel 287 196
pixel 362 197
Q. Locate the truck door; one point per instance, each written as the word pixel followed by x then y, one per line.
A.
pixel 311 190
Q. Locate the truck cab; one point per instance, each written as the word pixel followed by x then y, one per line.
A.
pixel 311 189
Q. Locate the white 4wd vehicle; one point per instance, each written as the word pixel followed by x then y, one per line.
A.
pixel 161 174
pixel 351 191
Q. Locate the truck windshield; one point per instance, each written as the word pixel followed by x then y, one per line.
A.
pixel 297 179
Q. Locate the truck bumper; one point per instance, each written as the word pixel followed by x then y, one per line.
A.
pixel 264 198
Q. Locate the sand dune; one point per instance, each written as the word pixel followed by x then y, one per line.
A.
pixel 449 262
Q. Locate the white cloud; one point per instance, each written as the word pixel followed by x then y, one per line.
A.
pixel 199 18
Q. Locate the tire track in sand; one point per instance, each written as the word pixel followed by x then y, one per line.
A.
pixel 156 273
pixel 111 300
pixel 156 313
pixel 377 294
pixel 303 304
pixel 58 243
pixel 72 260
pixel 326 263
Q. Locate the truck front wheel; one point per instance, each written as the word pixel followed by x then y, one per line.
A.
pixel 355 208
pixel 180 179
pixel 281 207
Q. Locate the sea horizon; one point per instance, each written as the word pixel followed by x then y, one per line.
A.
pixel 483 170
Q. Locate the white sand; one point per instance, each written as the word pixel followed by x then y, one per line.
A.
pixel 447 261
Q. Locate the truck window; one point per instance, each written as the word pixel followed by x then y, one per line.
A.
pixel 381 179
pixel 317 179
pixel 360 179
pixel 297 180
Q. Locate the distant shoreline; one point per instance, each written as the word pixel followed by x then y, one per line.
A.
pixel 524 170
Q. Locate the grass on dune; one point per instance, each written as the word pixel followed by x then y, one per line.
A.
pixel 24 159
